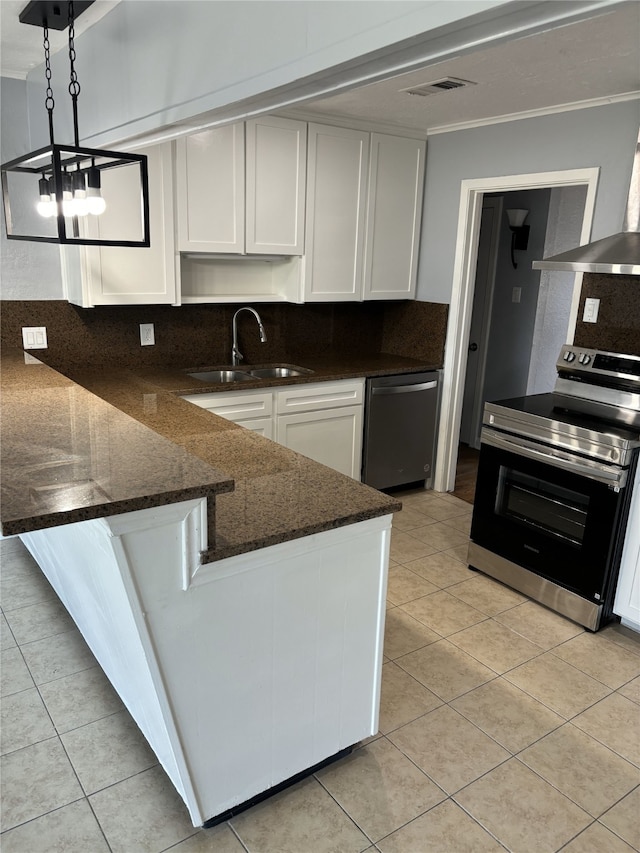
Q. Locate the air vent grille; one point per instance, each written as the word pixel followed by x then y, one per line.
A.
pixel 443 85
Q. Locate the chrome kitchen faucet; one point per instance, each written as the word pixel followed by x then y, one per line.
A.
pixel 236 355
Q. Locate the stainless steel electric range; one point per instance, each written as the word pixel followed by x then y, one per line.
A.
pixel 554 485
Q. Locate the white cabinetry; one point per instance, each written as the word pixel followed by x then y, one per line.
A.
pixel 274 656
pixel 394 210
pixel 627 601
pixel 121 275
pixel 322 420
pixel 251 409
pixel 232 200
pixel 364 205
pixel 276 186
pixel 336 198
pixel 210 190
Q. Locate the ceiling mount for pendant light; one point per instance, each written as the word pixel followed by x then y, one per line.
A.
pixel 59 194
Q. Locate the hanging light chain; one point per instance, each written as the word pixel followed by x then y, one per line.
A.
pixel 49 102
pixel 74 85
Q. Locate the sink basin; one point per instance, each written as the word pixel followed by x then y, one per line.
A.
pixel 221 376
pixel 278 371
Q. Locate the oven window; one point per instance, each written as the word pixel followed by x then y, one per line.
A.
pixel 541 504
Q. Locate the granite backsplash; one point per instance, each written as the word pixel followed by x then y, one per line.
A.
pixel 618 326
pixel 198 335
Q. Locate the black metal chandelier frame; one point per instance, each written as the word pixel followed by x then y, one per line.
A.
pixel 64 167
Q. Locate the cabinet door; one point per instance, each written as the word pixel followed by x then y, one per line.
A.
pixel 237 406
pixel 121 275
pixel 276 185
pixel 396 179
pixel 332 437
pixel 210 190
pixel 336 196
pixel 263 426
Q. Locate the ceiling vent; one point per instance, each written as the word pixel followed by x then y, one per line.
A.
pixel 443 85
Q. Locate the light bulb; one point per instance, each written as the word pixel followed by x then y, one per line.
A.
pixel 67 196
pixel 95 203
pixel 80 206
pixel 68 206
pixel 47 205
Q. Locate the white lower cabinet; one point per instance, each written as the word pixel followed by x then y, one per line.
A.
pixel 321 420
pixel 627 601
pixel 240 673
pixel 251 409
pixel 324 422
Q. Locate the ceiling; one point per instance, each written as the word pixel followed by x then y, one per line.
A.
pixel 597 58
pixel 593 59
pixel 21 44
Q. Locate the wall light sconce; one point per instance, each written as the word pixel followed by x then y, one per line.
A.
pixel 519 231
pixel 58 194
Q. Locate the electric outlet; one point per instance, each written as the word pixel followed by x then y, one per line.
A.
pixel 34 337
pixel 147 334
pixel 516 293
pixel 591 307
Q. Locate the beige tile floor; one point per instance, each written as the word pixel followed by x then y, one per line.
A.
pixel 503 726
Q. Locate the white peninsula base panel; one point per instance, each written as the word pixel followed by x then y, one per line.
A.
pixel 240 673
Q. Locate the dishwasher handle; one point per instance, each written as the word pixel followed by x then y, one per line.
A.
pixel 404 389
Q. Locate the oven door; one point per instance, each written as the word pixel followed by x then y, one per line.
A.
pixel 549 519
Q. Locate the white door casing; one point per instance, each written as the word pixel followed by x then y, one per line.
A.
pixel 469 215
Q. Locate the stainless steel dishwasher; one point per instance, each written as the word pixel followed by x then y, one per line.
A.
pixel 400 429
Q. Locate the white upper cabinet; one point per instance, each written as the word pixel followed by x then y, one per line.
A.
pixel 394 209
pixel 237 195
pixel 122 275
pixel 210 190
pixel 276 173
pixel 364 206
pixel 336 197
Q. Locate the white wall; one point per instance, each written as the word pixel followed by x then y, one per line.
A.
pixel 27 270
pixel 600 136
pixel 149 63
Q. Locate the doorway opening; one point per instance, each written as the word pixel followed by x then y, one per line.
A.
pixel 524 362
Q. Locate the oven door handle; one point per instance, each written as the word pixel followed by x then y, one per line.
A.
pixel 609 474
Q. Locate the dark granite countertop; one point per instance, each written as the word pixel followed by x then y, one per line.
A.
pixel 69 455
pixel 330 367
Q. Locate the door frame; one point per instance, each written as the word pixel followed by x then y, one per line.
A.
pixel 476 408
pixel 472 191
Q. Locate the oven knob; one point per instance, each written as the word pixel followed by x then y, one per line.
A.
pixel 584 358
pixel 569 356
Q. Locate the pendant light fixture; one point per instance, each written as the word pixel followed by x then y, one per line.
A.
pixel 69 194
pixel 519 232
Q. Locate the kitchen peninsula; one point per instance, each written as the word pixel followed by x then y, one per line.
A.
pixel 232 590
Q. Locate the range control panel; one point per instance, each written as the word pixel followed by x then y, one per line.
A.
pixel 596 363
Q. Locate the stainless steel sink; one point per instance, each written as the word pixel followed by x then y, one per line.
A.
pixel 221 376
pixel 278 371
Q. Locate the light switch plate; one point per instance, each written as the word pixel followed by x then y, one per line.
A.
pixel 34 337
pixel 591 307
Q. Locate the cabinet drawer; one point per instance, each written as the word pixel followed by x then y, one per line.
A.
pixel 236 405
pixel 323 395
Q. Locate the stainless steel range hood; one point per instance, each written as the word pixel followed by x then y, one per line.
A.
pixel 616 255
